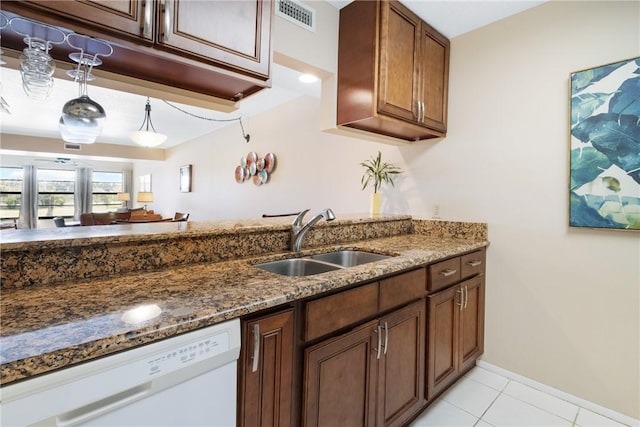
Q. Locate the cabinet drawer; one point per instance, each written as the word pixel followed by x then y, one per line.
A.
pixel 331 313
pixel 472 264
pixel 403 288
pixel 443 274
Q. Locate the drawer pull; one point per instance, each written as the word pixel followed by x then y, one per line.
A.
pixel 448 272
pixel 474 263
pixel 256 347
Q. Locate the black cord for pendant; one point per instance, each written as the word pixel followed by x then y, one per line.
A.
pixel 246 136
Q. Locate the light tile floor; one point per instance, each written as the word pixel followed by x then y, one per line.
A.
pixel 483 398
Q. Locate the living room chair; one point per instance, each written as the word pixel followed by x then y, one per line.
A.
pixel 179 216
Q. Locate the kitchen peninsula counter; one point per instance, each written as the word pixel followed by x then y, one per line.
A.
pixel 48 326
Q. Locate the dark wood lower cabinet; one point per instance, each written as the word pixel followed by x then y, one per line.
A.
pixel 266 371
pixel 401 391
pixel 374 355
pixel 370 376
pixel 456 333
pixel 339 378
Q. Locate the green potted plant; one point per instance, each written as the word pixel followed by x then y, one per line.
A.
pixel 377 172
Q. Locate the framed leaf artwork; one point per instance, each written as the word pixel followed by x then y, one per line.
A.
pixel 604 187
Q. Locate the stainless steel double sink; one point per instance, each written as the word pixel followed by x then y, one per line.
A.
pixel 320 263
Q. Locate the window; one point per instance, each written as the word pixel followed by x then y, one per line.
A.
pixel 10 192
pixel 106 186
pixel 55 193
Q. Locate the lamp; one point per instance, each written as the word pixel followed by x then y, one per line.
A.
pixel 146 138
pixel 124 198
pixel 145 197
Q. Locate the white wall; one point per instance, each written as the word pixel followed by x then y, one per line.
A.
pixel 562 303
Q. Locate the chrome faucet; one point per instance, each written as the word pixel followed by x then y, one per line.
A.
pixel 298 231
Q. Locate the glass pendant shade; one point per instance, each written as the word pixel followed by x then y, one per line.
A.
pixel 146 137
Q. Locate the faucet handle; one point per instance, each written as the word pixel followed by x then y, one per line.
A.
pixel 298 221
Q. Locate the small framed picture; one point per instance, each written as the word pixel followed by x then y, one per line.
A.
pixel 185 179
pixel 145 183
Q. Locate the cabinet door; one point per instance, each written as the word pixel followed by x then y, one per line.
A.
pixel 128 17
pixel 339 380
pixel 266 372
pixel 471 339
pixel 401 390
pixel 434 79
pixel 233 34
pixel 442 360
pixel 398 81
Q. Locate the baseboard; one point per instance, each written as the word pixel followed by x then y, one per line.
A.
pixel 616 416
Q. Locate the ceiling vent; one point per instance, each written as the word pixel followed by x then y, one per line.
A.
pixel 69 146
pixel 296 12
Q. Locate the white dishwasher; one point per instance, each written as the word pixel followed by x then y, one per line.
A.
pixel 188 380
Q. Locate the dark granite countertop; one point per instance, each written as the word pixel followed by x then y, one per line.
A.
pixel 54 326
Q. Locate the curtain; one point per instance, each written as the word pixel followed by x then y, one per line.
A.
pixel 83 194
pixel 127 184
pixel 29 203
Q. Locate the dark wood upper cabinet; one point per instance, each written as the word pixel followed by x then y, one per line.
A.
pixel 134 18
pixel 216 48
pixel 392 72
pixel 238 37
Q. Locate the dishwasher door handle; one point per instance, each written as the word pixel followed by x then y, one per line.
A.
pixel 103 406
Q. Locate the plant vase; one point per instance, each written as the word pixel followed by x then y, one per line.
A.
pixel 376 202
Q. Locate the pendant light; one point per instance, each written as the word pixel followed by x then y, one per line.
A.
pixel 145 137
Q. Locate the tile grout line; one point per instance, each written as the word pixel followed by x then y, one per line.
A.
pixel 494 401
pixel 575 419
pixel 526 402
pixel 488 406
pixel 620 418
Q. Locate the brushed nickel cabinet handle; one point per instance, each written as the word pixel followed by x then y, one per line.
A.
pixel 474 263
pixel 166 9
pixel 146 25
pixel 466 296
pixel 386 337
pixel 422 112
pixel 378 350
pixel 448 272
pixel 256 347
pixel 461 303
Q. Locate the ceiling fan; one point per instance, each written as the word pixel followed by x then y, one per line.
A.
pixel 58 160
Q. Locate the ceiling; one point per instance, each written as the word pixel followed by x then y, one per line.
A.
pixel 125 111
pixel 456 17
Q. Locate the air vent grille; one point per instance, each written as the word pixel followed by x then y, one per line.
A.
pixel 296 12
pixel 75 147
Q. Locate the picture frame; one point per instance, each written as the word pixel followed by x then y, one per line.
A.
pixel 604 181
pixel 185 179
pixel 145 183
